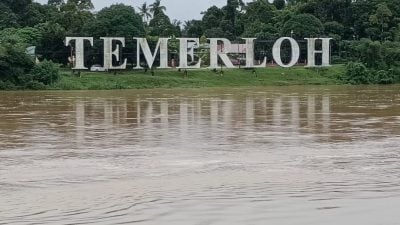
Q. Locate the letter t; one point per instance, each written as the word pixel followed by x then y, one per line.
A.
pixel 79 50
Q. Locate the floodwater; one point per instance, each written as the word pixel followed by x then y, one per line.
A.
pixel 233 156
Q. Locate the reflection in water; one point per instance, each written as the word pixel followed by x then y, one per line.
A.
pixel 249 111
pixel 183 119
pixel 248 156
pixel 311 111
pixel 277 111
pixel 195 113
pixel 326 113
pixel 148 119
pixel 138 116
pixel 164 114
pixel 214 112
pixel 295 111
pixel 228 113
pixel 108 115
pixel 80 121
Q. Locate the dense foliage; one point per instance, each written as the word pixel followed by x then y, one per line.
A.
pixel 18 71
pixel 366 32
pixel 14 66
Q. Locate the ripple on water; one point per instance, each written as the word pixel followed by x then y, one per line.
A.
pixel 219 157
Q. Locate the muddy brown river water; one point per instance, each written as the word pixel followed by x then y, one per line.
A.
pixel 228 156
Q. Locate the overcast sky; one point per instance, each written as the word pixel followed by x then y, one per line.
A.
pixel 176 9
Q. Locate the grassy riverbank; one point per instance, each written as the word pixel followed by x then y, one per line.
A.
pixel 271 76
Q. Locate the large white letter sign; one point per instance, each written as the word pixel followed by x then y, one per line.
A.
pixel 109 53
pixel 325 51
pixel 225 48
pixel 276 52
pixel 250 54
pixel 183 53
pixel 79 50
pixel 162 45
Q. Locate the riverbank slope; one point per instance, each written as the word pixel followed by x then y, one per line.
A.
pixel 271 76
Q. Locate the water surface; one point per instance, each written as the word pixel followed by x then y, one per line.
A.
pixel 274 155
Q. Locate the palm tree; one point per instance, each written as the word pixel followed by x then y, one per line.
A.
pixel 242 5
pixel 176 23
pixel 144 12
pixel 156 7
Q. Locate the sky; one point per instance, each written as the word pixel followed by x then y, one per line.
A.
pixel 182 10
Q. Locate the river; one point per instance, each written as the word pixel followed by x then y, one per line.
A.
pixel 226 156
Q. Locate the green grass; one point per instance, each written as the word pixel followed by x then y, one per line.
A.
pixel 271 76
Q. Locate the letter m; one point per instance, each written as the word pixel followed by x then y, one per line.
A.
pixel 162 46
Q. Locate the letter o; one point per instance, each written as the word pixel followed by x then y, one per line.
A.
pixel 276 52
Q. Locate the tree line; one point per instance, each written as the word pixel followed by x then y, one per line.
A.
pixel 366 33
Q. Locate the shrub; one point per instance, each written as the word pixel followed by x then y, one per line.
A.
pixel 338 60
pixel 357 73
pixel 396 74
pixel 35 85
pixel 6 85
pixel 45 72
pixel 17 70
pixel 385 77
pixel 14 64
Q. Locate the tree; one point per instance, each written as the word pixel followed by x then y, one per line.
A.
pixel 17 69
pixel 117 20
pixel 82 4
pixel 26 12
pixel 279 4
pixel 157 8
pixel 14 64
pixel 280 17
pixel 215 32
pixel 7 17
pixel 57 3
pixel 303 26
pixel 371 53
pixel 193 28
pixel 261 31
pixel 177 25
pixel 392 53
pixel 232 28
pixel 23 37
pixel 231 11
pixel 160 25
pixel 212 17
pixel 74 15
pixel 144 12
pixel 17 6
pixel 381 18
pixel 36 13
pixel 327 10
pixel 359 22
pixel 51 45
pixel 259 10
pixel 334 30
